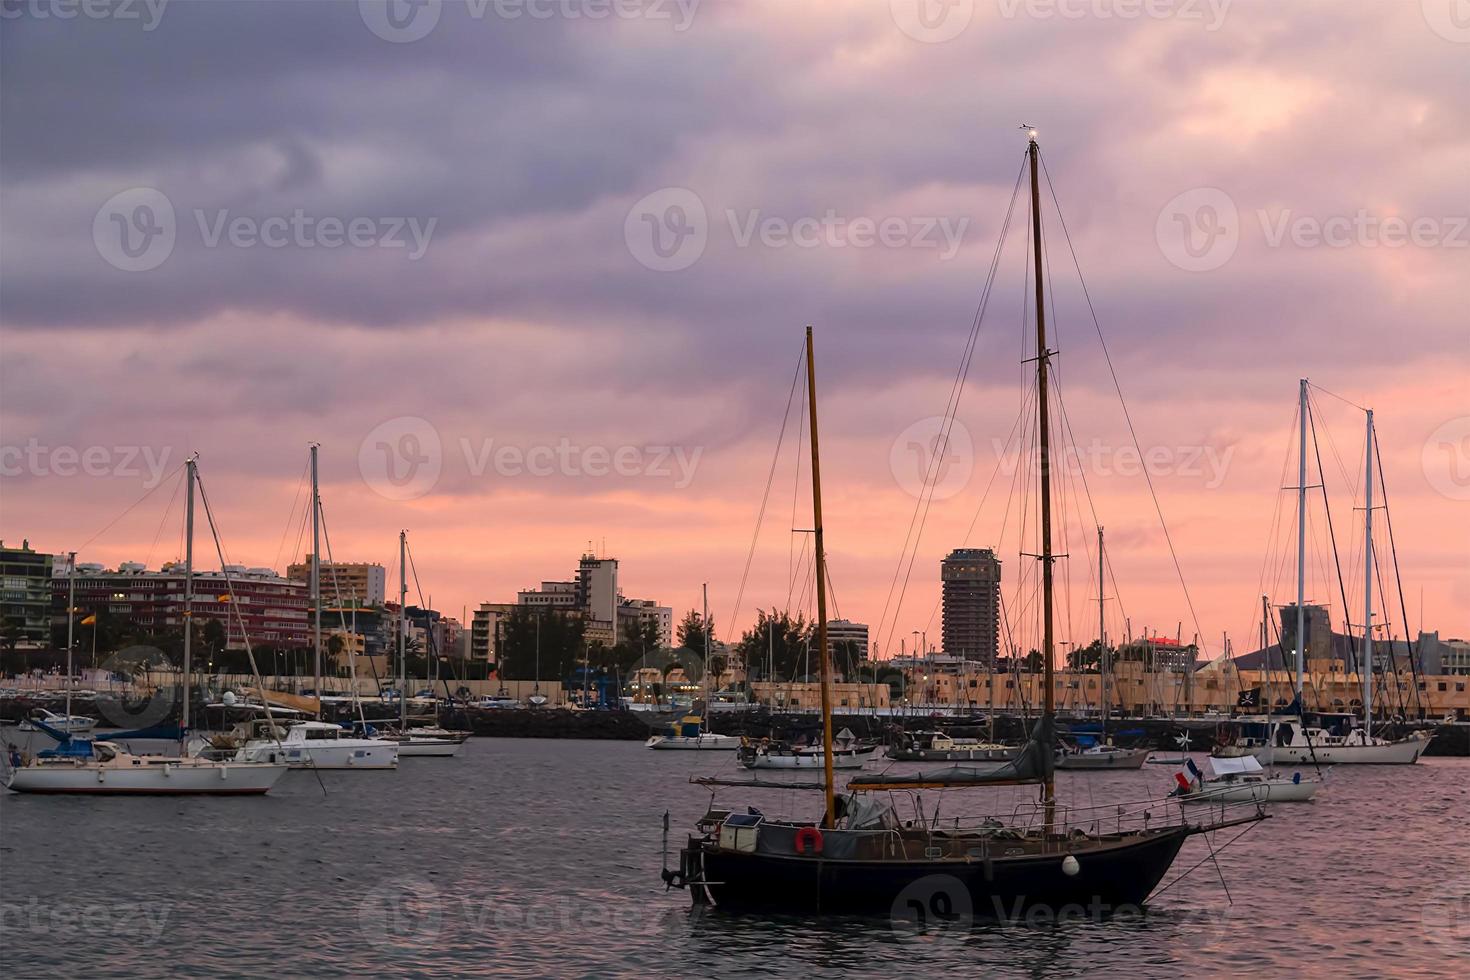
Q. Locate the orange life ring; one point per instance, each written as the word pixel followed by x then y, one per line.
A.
pixel 808 840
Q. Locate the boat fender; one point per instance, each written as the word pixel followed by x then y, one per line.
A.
pixel 1070 867
pixel 1296 777
pixel 808 840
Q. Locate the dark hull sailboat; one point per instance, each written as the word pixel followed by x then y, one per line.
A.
pixel 998 878
pixel 860 858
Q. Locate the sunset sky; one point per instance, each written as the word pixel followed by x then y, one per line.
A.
pixel 536 277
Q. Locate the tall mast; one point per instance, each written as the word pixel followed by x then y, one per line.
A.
pixel 1365 669
pixel 316 582
pixel 403 630
pixel 1048 791
pixel 1301 547
pixel 830 819
pixel 71 615
pixel 1102 637
pixel 190 476
pixel 704 622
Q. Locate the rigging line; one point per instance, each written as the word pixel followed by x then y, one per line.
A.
pixel 342 615
pixel 1327 507
pixel 765 497
pixel 796 480
pixel 952 404
pixel 1345 401
pixel 300 486
pixel 1414 650
pixel 168 509
pixel 1127 416
pixel 130 508
pixel 234 604
pixel 985 495
pixel 1273 535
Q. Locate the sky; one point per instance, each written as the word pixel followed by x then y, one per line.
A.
pixel 535 276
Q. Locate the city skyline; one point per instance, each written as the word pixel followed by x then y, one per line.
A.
pixel 536 376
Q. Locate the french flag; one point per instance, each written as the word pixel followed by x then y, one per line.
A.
pixel 1189 776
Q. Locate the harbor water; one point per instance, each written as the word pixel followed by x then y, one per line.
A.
pixel 541 858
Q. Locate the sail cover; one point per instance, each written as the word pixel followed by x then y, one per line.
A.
pixel 1033 764
pixel 1235 767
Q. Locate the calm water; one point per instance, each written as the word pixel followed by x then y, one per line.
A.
pixel 536 858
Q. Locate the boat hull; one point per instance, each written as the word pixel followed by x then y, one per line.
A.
pixel 694 743
pixel 1123 759
pixel 359 754
pixel 1271 791
pixel 809 760
pixel 952 755
pixel 154 779
pixel 1106 880
pixel 1404 752
pixel 435 748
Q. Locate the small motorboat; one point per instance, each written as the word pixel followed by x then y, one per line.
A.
pixel 688 734
pixel 312 745
pixel 70 724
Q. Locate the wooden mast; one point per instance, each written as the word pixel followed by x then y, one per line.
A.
pixel 1048 789
pixel 830 818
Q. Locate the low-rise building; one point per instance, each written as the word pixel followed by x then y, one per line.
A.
pixel 272 609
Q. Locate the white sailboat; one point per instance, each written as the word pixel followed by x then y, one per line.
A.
pixel 1289 740
pixel 1243 780
pixel 688 734
pixel 107 769
pixel 1103 755
pixel 847 753
pixel 423 743
pixel 78 766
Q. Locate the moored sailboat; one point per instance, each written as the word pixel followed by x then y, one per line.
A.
pixel 83 766
pixel 859 857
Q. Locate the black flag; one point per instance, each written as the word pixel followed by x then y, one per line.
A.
pixel 1249 699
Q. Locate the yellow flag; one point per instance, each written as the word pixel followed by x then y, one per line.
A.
pixel 222 598
pixel 90 620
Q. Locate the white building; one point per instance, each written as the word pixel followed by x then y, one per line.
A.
pixel 647 610
pixel 551 595
pixel 841 631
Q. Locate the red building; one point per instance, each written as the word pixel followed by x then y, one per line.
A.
pixel 272 608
